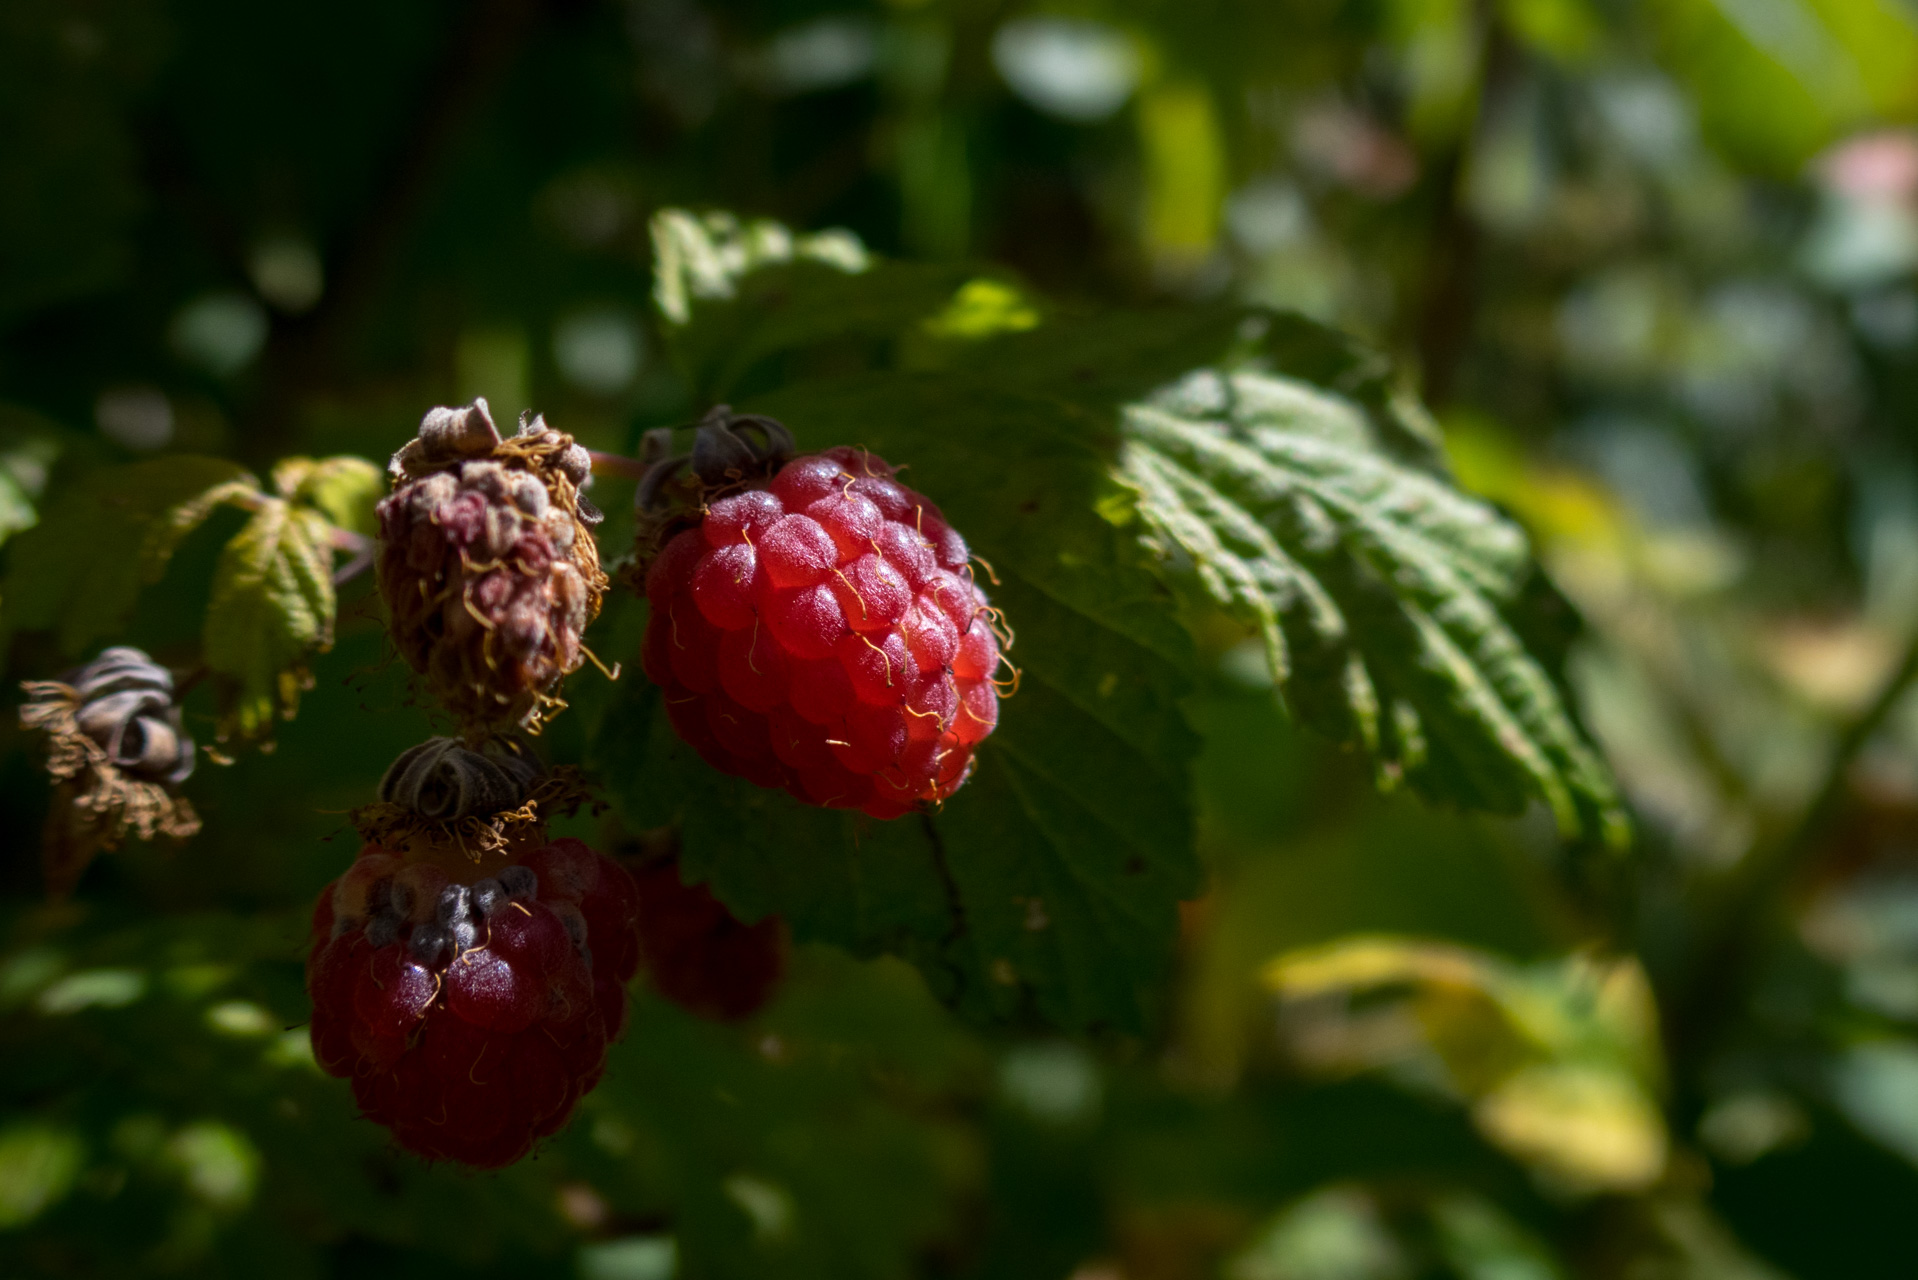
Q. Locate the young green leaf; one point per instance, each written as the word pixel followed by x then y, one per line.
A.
pixel 774 306
pixel 1381 591
pixel 344 489
pixel 80 569
pixel 704 256
pixel 272 607
pixel 28 446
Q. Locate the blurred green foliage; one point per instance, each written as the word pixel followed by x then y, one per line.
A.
pixel 1652 269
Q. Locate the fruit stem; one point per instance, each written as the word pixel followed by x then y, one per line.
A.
pixel 361 549
pixel 613 464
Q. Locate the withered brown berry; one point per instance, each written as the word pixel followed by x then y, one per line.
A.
pixel 488 566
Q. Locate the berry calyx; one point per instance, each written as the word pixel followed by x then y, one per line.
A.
pixel 815 624
pixel 487 565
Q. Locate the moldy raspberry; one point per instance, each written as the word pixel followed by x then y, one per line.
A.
pixel 469 995
pixel 815 624
pixel 488 566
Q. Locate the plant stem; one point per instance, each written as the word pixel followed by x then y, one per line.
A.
pixel 359 546
pixel 1746 909
pixel 613 464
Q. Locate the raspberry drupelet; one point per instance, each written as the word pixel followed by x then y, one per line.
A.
pixel 815 624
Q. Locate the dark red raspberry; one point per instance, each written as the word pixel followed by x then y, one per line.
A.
pixel 469 1004
pixel 815 624
pixel 488 566
pixel 699 955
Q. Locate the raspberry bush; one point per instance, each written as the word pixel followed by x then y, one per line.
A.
pixel 880 948
pixel 591 829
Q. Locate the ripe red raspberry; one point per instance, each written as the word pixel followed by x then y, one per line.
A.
pixel 699 955
pixel 815 624
pixel 488 566
pixel 471 1005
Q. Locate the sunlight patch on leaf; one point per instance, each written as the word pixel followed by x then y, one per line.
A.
pixel 703 256
pixel 981 309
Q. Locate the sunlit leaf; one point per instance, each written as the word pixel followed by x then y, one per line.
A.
pixel 344 489
pixel 1558 1061
pixel 1382 593
pixel 272 608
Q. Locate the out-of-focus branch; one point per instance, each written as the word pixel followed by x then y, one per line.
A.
pixel 1448 296
pixel 304 353
pixel 1746 909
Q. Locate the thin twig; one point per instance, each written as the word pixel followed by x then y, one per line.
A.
pixel 614 464
pixel 361 549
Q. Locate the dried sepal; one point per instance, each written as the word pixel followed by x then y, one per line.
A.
pixel 479 802
pixel 117 754
pixel 730 451
pixel 488 565
pixel 443 779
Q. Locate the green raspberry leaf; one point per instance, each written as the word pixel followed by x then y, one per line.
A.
pixel 272 608
pixel 81 568
pixel 755 305
pixel 1389 602
pixel 344 489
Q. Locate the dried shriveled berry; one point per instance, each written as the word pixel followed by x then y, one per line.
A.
pixel 488 566
pixel 471 1004
pixel 117 755
pixel 815 623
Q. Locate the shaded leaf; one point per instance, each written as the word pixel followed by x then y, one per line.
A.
pixel 1099 359
pixel 81 568
pixel 803 319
